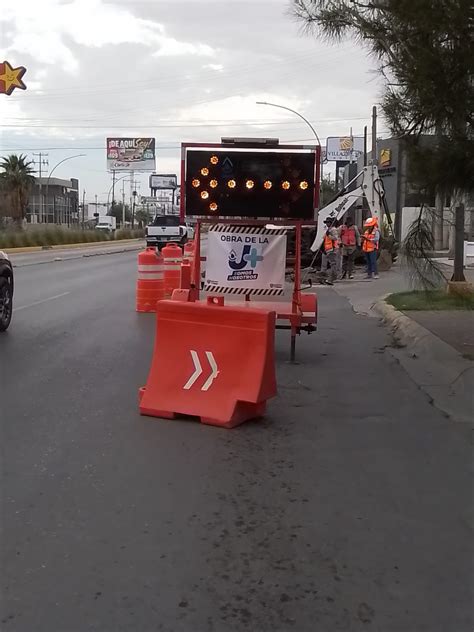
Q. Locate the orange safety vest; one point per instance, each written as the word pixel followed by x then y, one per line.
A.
pixel 329 243
pixel 348 236
pixel 369 244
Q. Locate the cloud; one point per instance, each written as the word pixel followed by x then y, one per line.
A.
pixel 173 69
pixel 50 30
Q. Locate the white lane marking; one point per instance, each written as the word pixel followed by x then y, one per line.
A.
pixel 44 300
pixel 197 371
pixel 214 374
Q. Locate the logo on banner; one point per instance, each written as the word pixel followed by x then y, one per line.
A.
pixel 249 257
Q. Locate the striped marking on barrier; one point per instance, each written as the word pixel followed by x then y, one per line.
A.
pixel 247 230
pixel 150 276
pixel 151 268
pixel 241 290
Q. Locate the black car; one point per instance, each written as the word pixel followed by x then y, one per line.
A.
pixel 6 291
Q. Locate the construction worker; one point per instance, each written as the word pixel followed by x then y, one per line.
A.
pixel 330 248
pixel 350 240
pixel 370 246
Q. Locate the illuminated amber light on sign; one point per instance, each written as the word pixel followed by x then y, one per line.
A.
pixel 214 160
pixel 204 195
pixel 249 184
pixel 267 184
pixel 213 206
pixel 285 185
pixel 196 183
pixel 213 183
pixel 303 185
pixel 204 171
pixel 231 184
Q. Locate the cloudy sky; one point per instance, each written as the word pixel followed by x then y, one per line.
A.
pixel 179 70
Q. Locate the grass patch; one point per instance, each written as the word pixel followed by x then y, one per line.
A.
pixel 59 236
pixel 434 300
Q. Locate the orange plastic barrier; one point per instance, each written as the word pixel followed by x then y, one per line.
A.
pixel 150 281
pixel 172 255
pixel 212 361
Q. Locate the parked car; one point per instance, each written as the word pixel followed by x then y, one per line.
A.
pixel 6 291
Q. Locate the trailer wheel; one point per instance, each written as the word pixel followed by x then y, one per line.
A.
pixel 6 303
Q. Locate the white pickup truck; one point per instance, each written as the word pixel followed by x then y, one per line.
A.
pixel 167 228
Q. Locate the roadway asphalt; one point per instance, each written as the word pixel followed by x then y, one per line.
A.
pixel 347 508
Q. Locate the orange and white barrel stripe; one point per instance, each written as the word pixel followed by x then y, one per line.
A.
pixel 150 281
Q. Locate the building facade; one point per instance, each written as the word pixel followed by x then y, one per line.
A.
pixel 54 201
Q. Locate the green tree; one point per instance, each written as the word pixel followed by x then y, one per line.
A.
pixel 16 180
pixel 328 189
pixel 424 51
pixel 142 216
pixel 117 212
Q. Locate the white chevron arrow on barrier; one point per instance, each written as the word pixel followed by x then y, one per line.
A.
pixel 198 371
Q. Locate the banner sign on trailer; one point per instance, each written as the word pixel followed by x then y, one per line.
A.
pixel 131 154
pixel 245 260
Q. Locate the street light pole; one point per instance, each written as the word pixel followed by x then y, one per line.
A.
pixel 315 133
pixel 57 165
pixel 115 180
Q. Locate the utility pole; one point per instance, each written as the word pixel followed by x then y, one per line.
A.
pixel 458 273
pixel 83 206
pixel 123 204
pixel 113 189
pixel 365 146
pixel 41 162
pixel 374 160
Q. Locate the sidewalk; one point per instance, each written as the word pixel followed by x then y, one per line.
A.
pixel 436 348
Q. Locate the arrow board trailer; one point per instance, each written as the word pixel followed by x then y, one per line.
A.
pixel 249 193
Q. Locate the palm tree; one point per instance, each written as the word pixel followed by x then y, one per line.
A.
pixel 16 181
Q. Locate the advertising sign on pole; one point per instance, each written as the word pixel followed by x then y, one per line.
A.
pixel 245 260
pixel 131 154
pixel 344 148
pixel 163 181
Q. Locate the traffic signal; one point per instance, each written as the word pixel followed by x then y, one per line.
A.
pixel 258 184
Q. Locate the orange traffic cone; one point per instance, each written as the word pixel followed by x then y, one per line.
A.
pixel 172 256
pixel 150 281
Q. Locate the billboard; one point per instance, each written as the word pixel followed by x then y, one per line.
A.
pixel 131 154
pixel 344 148
pixel 257 184
pixel 163 181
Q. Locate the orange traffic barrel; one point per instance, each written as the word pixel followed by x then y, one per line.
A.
pixel 189 250
pixel 185 275
pixel 150 281
pixel 172 257
pixel 188 253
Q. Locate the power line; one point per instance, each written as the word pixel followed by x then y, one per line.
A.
pixel 176 126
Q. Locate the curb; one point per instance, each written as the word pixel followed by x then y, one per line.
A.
pixel 87 244
pixel 438 369
pixel 79 255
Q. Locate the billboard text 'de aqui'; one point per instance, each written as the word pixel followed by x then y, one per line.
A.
pixel 131 154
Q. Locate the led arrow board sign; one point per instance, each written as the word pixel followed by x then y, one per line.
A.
pixel 257 184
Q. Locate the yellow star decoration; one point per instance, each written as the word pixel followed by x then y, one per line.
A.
pixel 10 78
